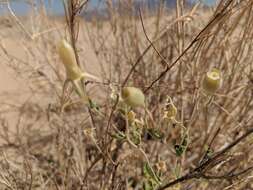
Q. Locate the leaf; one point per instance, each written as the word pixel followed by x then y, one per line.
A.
pixel 136 137
pixel 206 147
pixel 156 133
pixel 118 136
pixel 179 149
pixel 177 171
pixel 147 185
pixel 185 141
pixel 209 152
pixel 149 173
pixel 93 105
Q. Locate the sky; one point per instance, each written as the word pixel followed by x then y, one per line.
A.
pixel 56 5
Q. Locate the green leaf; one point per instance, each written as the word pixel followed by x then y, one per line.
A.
pixel 135 137
pixel 185 141
pixel 209 153
pixel 93 105
pixel 147 185
pixel 149 173
pixel 118 136
pixel 179 150
pixel 177 171
pixel 156 133
pixel 206 147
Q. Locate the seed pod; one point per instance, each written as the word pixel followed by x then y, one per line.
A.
pixel 68 58
pixel 212 81
pixel 133 96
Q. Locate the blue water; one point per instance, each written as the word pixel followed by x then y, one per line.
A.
pixel 56 6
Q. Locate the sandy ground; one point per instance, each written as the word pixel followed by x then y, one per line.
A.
pixel 22 60
pixel 24 92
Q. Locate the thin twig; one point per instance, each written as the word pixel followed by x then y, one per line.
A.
pixel 218 16
pixel 198 172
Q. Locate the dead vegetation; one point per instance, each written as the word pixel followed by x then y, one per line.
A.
pixel 51 140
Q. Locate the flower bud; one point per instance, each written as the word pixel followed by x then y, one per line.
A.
pixel 133 97
pixel 170 110
pixel 161 166
pixel 67 55
pixel 212 81
pixel 131 116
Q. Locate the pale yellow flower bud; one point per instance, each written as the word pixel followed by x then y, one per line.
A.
pixel 133 97
pixel 67 55
pixel 212 81
pixel 131 116
pixel 170 110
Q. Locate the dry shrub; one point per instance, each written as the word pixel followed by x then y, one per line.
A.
pixel 54 141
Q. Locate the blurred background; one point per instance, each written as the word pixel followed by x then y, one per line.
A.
pixel 56 6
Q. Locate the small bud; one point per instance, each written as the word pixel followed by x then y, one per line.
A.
pixel 212 81
pixel 67 55
pixel 133 97
pixel 131 116
pixel 161 166
pixel 170 110
pixel 88 132
pixel 114 94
